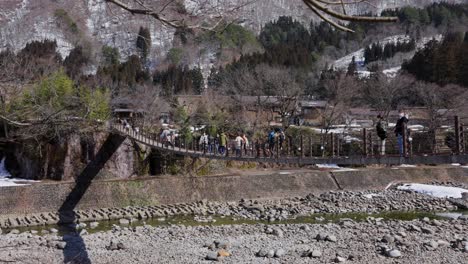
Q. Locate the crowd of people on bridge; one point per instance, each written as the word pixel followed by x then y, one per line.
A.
pixel 273 142
pixel 221 143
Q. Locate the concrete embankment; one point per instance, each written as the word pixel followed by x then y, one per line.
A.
pixel 49 197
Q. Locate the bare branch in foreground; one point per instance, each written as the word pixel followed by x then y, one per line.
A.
pixel 212 21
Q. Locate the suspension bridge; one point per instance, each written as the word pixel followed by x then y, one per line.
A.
pixel 430 149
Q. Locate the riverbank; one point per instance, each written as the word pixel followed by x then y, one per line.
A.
pixel 269 184
pixel 335 226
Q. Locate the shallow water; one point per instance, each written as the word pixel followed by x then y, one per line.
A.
pixel 221 220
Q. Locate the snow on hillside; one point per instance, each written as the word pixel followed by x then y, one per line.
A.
pixel 392 72
pixel 358 55
pixel 343 62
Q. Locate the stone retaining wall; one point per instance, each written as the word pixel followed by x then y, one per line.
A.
pixel 48 197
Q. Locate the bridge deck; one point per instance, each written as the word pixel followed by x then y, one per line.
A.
pixel 342 160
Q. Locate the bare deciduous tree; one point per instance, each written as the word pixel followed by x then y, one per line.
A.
pixel 440 103
pixel 341 90
pixel 381 92
pixel 145 100
pixel 274 89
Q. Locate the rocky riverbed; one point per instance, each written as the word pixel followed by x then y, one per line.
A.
pixel 260 210
pixel 373 241
pixel 276 232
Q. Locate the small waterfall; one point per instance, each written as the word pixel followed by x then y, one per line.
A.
pixel 3 171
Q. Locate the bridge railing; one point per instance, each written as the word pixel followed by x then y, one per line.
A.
pixel 442 140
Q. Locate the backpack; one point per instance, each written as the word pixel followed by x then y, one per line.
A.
pixel 271 136
pixel 381 132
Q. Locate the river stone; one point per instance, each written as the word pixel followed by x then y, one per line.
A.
pixel 207 244
pixel 124 221
pixel 115 245
pixel 339 259
pixel 83 232
pixel 321 236
pixel 443 243
pixel 53 230
pixel 402 234
pixel 262 253
pixel 212 256
pixel 331 238
pixel 278 232
pixel 61 245
pixel 271 253
pixel 222 244
pixel 93 225
pixel 394 253
pixel 223 253
pixel 14 232
pixel 316 253
pixel 279 253
pixel 388 239
pixel 426 230
pixel 431 245
pixel 415 228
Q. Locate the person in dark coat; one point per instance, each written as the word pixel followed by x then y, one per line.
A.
pixel 381 129
pixel 399 130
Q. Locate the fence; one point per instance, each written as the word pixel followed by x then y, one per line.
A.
pixel 444 139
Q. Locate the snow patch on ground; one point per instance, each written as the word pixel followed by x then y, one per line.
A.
pixel 344 169
pixel 407 166
pixel 434 190
pixel 371 195
pixel 333 167
pixel 328 166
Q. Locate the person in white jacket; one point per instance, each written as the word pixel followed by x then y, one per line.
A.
pixel 203 141
pixel 239 141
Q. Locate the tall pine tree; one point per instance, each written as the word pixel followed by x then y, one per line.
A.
pixel 143 42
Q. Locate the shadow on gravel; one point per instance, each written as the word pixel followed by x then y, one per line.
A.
pixel 75 248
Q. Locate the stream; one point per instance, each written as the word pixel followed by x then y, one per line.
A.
pixel 189 220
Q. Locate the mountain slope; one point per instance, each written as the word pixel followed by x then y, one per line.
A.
pixel 22 21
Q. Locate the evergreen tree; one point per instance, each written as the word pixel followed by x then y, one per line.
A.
pixel 352 68
pixel 462 75
pixel 75 61
pixel 110 56
pixel 143 42
pixel 442 63
pixel 197 80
